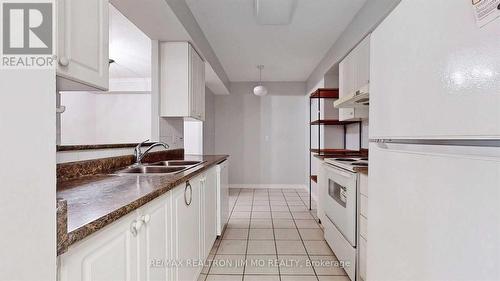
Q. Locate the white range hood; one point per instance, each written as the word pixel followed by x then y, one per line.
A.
pixel 361 98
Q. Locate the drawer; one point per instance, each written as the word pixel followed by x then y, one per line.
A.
pixel 364 206
pixel 362 258
pixel 363 225
pixel 363 184
pixel 341 247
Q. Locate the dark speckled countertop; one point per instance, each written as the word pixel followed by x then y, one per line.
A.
pixel 97 200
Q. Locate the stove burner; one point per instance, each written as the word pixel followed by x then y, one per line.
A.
pixel 345 160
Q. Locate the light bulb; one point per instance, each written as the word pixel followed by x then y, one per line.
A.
pixel 260 90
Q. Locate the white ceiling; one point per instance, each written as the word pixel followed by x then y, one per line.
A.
pixel 289 52
pixel 158 22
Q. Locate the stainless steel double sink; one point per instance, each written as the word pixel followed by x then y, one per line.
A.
pixel 160 168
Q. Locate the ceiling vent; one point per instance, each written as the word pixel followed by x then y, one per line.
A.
pixel 275 12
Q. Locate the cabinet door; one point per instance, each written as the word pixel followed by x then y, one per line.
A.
pixel 354 74
pixel 197 85
pixel 193 83
pixel 194 92
pixel 346 84
pixel 363 63
pixel 110 254
pixel 186 226
pixel 222 196
pixel 209 210
pixel 201 93
pixel 83 41
pixel 154 239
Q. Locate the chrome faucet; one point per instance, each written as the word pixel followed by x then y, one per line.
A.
pixel 139 155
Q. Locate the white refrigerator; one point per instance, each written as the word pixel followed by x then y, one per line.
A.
pixel 434 179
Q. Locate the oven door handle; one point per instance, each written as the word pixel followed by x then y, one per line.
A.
pixel 338 171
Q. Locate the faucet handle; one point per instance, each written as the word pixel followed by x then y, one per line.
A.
pixel 137 149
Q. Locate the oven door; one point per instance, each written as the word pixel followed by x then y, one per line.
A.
pixel 340 201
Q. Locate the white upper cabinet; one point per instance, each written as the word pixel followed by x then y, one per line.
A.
pixel 362 64
pixel 83 43
pixel 182 81
pixel 354 76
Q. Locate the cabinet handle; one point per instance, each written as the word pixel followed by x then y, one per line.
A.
pixel 146 218
pixel 190 194
pixel 64 61
pixel 135 227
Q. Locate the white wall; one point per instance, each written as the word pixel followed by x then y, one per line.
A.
pixel 105 118
pixel 209 124
pixel 266 137
pixel 28 192
pixel 193 137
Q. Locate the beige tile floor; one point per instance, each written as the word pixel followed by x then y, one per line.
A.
pixel 272 236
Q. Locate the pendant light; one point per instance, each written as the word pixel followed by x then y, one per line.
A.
pixel 260 90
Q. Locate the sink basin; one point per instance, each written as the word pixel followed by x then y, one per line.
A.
pixel 152 170
pixel 175 163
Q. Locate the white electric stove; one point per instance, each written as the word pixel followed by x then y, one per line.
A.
pixel 348 163
pixel 339 201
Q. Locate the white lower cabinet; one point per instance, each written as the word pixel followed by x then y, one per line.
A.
pixel 154 240
pixel 187 235
pixel 209 210
pixel 166 239
pixel 110 254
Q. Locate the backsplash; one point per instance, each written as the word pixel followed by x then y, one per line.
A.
pixel 73 170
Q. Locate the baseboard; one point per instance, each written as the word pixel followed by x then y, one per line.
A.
pixel 273 186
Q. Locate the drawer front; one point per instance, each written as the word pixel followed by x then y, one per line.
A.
pixel 363 223
pixel 341 247
pixel 364 206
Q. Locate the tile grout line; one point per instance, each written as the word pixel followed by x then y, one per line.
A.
pixel 274 234
pixel 222 234
pixel 302 240
pixel 248 236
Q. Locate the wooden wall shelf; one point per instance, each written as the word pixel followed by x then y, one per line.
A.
pixel 332 122
pixel 335 151
pixel 314 178
pixel 325 93
pixel 317 99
